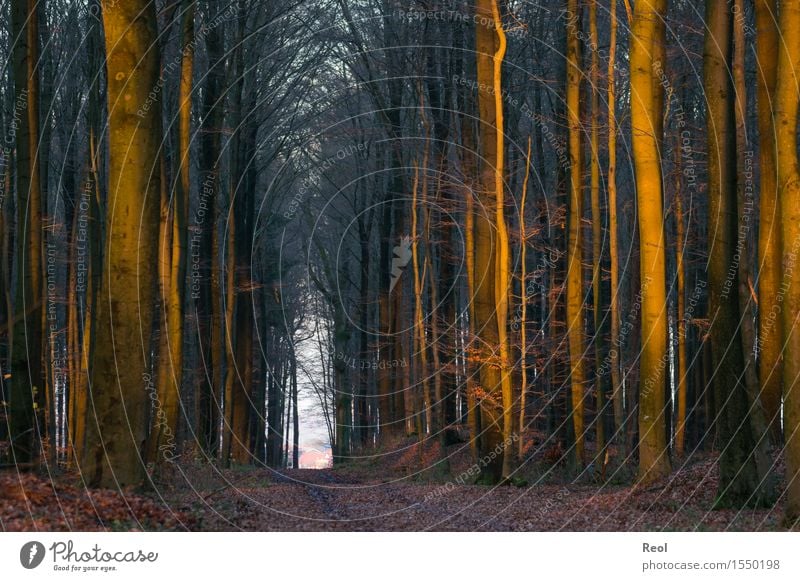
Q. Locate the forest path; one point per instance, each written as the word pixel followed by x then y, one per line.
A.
pixel 320 486
pixel 336 500
pixel 355 499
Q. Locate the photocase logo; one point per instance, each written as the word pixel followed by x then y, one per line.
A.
pixel 31 554
pixel 402 254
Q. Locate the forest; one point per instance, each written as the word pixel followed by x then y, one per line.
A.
pixel 399 265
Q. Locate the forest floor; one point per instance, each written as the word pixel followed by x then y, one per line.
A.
pixel 344 500
pixel 383 493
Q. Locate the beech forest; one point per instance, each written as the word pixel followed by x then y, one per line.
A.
pixel 399 265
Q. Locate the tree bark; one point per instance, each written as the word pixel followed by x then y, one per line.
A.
pixel 597 242
pixel 740 482
pixel 770 327
pixel 491 252
pixel 116 436
pixel 646 121
pixel 680 276
pixel 25 332
pixel 523 324
pixel 785 119
pixel 172 262
pixel 613 354
pixel 575 309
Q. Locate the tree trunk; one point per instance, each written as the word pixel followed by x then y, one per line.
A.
pixel 613 354
pixel 470 232
pixel 646 121
pixel 745 199
pixel 420 347
pixel 524 298
pixel 680 276
pixel 206 220
pixel 770 327
pixel 740 483
pixel 115 439
pixel 172 250
pixel 575 310
pixel 491 252
pixel 25 334
pixel 785 119
pixel 597 243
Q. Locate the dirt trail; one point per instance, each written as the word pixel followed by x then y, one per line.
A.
pixel 354 499
pixel 327 500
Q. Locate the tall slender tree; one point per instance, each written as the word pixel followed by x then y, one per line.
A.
pixel 769 230
pixel 575 302
pixel 613 235
pixel 785 120
pixel 741 483
pixel 27 325
pixel 648 21
pixel 492 263
pixel 597 236
pixel 172 258
pixel 119 396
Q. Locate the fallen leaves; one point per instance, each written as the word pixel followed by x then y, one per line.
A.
pixel 32 502
pixel 387 492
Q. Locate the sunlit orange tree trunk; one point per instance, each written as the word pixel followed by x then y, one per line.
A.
pixel 172 261
pixel 120 395
pixel 769 232
pixel 575 308
pixel 492 273
pixel 785 115
pixel 646 122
